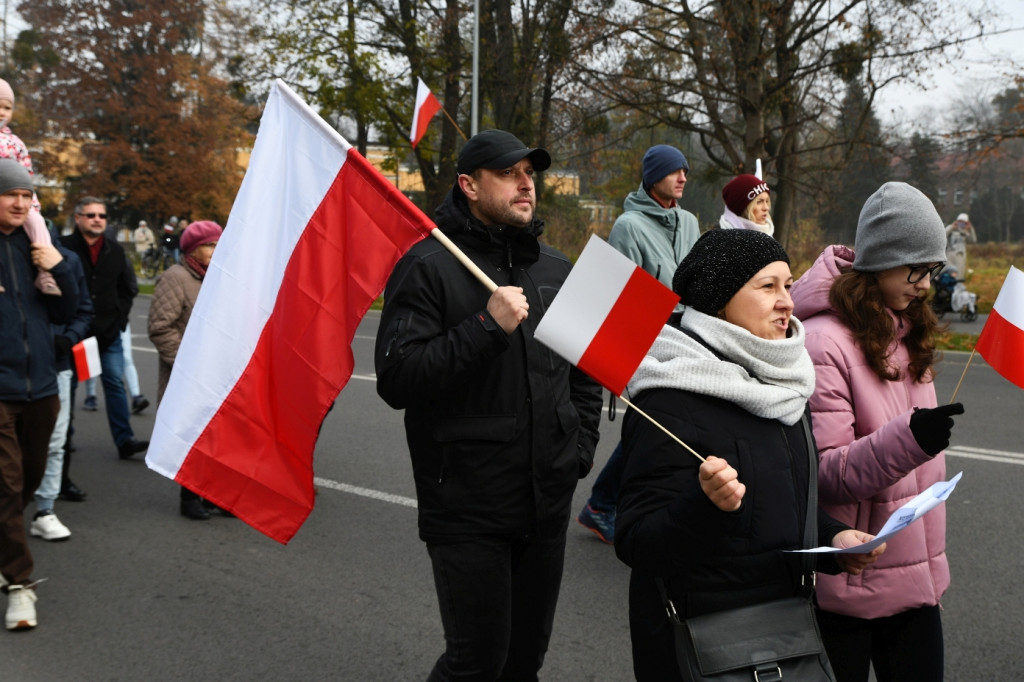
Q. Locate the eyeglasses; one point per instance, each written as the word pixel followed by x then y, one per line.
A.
pixel 917 272
pixel 101 216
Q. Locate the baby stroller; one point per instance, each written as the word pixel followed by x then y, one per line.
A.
pixel 951 295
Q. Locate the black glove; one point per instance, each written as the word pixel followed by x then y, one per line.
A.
pixel 932 427
pixel 61 346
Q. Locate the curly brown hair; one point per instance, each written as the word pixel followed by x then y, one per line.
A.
pixel 857 299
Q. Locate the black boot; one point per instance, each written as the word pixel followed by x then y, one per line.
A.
pixel 194 509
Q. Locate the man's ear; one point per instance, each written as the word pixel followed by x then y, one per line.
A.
pixel 467 183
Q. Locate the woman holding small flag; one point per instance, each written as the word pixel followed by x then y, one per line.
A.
pixel 880 435
pixel 729 375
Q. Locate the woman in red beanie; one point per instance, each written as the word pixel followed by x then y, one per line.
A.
pixel 748 205
pixel 173 300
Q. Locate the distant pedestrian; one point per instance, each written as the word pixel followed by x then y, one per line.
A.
pixel 959 234
pixel 143 238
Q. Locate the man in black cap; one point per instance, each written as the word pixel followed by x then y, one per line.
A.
pixel 28 381
pixel 499 428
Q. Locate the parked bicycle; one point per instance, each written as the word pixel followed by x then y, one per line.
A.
pixel 155 260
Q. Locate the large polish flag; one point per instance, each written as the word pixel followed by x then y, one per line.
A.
pixel 426 107
pixel 311 240
pixel 1002 339
pixel 606 315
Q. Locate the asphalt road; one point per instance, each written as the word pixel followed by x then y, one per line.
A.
pixel 140 593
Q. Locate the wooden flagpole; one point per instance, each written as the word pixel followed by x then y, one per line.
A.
pixel 957 389
pixel 454 123
pixel 670 434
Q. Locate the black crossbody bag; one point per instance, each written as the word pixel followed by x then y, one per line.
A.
pixel 776 640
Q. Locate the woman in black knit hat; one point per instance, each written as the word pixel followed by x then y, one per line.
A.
pixel 731 378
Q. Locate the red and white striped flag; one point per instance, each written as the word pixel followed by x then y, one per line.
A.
pixel 87 358
pixel 312 237
pixel 606 315
pixel 426 106
pixel 1002 339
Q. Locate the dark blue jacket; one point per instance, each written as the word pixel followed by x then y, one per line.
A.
pixel 27 369
pixel 78 328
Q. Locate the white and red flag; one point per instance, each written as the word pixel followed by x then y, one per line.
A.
pixel 87 358
pixel 312 237
pixel 606 315
pixel 1002 339
pixel 426 107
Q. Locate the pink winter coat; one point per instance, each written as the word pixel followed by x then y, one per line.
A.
pixel 870 463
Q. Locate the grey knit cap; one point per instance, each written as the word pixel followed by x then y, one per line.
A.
pixel 13 176
pixel 720 263
pixel 898 226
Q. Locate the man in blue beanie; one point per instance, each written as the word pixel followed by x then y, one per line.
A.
pixel 656 235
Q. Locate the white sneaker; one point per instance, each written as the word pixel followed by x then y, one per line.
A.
pixel 21 608
pixel 47 526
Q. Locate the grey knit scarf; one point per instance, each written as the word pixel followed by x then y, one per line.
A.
pixel 768 378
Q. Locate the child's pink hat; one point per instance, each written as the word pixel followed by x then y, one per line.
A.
pixel 6 92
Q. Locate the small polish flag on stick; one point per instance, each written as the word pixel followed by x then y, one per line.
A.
pixel 606 316
pixel 1002 339
pixel 87 358
pixel 426 107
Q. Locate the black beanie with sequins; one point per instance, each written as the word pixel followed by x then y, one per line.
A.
pixel 720 263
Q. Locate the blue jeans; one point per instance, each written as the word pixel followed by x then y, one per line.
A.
pixel 49 487
pixel 115 398
pixel 605 493
pixel 131 375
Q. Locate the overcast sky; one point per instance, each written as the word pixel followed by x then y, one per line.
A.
pixel 975 76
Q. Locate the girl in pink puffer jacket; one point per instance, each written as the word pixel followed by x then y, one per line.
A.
pixel 880 435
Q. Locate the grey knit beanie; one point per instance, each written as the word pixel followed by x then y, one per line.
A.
pixel 720 263
pixel 13 176
pixel 898 226
pixel 659 161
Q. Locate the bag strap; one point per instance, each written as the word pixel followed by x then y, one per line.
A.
pixel 811 519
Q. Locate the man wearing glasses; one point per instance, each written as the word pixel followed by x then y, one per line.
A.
pixel 112 286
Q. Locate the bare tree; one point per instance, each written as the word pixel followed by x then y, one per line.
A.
pixel 762 80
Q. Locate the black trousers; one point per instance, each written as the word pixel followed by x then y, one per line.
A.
pixel 906 647
pixel 497 598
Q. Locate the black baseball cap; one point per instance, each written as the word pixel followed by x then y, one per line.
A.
pixel 498 149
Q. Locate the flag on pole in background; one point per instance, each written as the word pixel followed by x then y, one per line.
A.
pixel 426 106
pixel 1002 339
pixel 606 315
pixel 87 358
pixel 313 235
